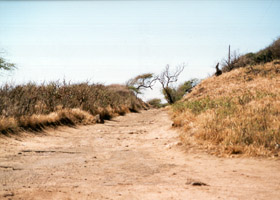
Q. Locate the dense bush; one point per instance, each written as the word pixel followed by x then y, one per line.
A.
pixel 177 93
pixel 25 101
pixel 156 103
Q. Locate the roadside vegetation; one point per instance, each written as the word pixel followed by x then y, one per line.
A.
pixel 167 78
pixel 237 112
pixel 268 54
pixel 156 103
pixel 33 107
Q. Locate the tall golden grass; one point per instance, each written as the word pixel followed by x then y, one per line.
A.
pixel 235 113
pixel 33 107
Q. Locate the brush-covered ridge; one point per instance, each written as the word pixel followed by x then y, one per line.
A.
pixel 33 107
pixel 235 113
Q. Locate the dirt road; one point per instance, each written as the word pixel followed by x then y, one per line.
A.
pixel 137 156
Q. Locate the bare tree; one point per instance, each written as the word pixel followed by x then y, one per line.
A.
pixel 166 78
pixel 231 62
pixel 140 82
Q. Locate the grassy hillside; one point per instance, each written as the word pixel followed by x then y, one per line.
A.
pixel 235 113
pixel 34 107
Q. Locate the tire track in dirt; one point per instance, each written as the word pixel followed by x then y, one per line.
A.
pixel 137 156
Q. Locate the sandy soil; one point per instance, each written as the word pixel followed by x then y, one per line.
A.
pixel 137 156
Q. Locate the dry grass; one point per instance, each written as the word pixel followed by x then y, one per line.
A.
pixel 235 113
pixel 33 107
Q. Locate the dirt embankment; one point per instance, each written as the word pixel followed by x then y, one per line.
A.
pixel 136 156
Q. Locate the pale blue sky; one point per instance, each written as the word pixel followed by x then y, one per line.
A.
pixel 112 41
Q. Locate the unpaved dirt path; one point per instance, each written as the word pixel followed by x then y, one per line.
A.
pixel 136 156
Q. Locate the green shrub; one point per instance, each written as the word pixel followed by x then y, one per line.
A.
pixel 177 93
pixel 155 103
pixel 272 52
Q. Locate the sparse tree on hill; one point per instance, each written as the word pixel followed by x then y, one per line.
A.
pixel 140 82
